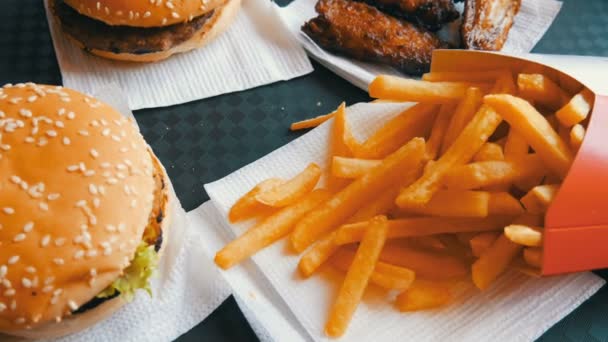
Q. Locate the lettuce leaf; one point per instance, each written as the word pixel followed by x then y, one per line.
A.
pixel 136 276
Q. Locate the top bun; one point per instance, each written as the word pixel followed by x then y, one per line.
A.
pixel 76 192
pixel 144 13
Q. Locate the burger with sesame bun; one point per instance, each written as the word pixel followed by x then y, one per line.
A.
pixel 143 30
pixel 83 211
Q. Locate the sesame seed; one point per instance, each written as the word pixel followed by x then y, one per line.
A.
pixel 9 293
pixel 2 307
pixel 3 271
pixel 116 138
pixel 107 251
pixel 107 10
pixel 105 165
pixel 83 133
pixel 81 166
pixel 93 219
pixel 131 15
pixel 93 272
pixel 81 203
pixel 72 168
pixel 26 283
pixel 58 261
pixel 112 181
pixel 45 240
pixel 42 142
pixel 43 206
pixel 54 301
pixel 169 5
pixel 120 175
pixel 15 179
pixel 164 21
pixel 66 99
pixel 59 124
pixel 52 197
pixel 59 242
pixel 98 5
pixel 19 237
pixel 93 189
pixel 47 289
pixel 57 292
pixel 28 227
pixel 119 13
pixel 51 133
pixel 7 283
pixel 147 14
pixel 91 253
pixel 89 173
pixel 66 140
pixel 121 227
pixel 29 140
pixel 71 115
pixel 61 111
pixel 15 100
pixel 111 228
pixel 32 98
pixel 26 113
pixel 96 202
pixel 94 153
pixel 30 269
pixel 133 203
pixel 79 254
pixel 8 210
pixel 73 306
pixel 175 15
pixel 105 132
pixel 13 260
pixel 13 303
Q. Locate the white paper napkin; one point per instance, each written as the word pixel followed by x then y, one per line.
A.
pixel 531 23
pixel 515 309
pixel 257 49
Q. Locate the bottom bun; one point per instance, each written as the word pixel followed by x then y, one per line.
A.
pixel 213 27
pixel 82 321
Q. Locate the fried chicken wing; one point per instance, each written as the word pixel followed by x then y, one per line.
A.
pixel 363 32
pixel 486 23
pixel 430 14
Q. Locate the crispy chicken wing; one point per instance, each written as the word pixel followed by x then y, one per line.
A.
pixel 430 14
pixel 363 32
pixel 486 23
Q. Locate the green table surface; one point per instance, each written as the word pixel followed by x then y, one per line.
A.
pixel 205 140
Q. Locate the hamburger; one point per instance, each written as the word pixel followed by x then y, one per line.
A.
pixel 83 211
pixel 143 30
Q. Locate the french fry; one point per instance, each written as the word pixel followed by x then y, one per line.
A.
pixel 533 256
pixel 521 266
pixel 577 134
pixel 341 144
pixel 429 242
pixel 464 112
pixel 268 231
pixel 409 90
pixel 403 164
pixel 495 260
pixel 515 146
pixel 454 247
pixel 542 90
pixel 422 226
pixel 455 203
pixel 502 203
pixel 481 242
pixel 489 173
pixel 292 190
pixel 248 207
pixel 576 110
pixel 505 84
pixel 524 118
pixel 489 76
pixel 317 255
pixel 423 295
pixel 489 151
pixel 351 168
pixel 474 135
pixel 311 123
pixel 415 121
pixel 538 200
pixel 428 265
pixel 524 235
pixel 357 278
pixel 440 126
pixel 377 206
pixel 385 275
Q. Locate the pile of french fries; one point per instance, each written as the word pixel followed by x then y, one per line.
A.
pixel 456 185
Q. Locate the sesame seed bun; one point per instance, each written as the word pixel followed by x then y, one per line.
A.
pixel 144 13
pixel 79 187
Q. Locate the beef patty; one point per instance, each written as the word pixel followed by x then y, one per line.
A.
pixel 95 34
